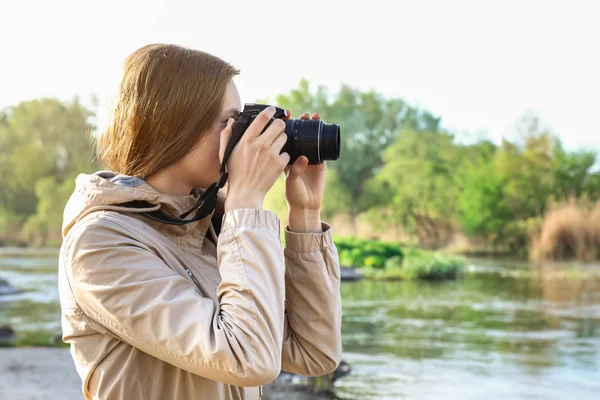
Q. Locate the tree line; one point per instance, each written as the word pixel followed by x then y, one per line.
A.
pixel 400 170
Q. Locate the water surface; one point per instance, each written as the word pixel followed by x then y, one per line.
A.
pixel 502 331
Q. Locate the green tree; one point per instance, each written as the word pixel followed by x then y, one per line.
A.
pixel 43 144
pixel 574 175
pixel 369 124
pixel 592 186
pixel 528 171
pixel 419 184
pixel 44 227
pixel 482 208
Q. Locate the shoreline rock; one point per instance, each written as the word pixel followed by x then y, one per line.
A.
pixel 289 386
pixel 7 289
pixel 7 336
pixel 350 274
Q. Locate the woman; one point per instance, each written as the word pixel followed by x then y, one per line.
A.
pixel 202 310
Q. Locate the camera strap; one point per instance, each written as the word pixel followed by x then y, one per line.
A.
pixel 207 201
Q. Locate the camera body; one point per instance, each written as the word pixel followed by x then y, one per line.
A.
pixel 314 139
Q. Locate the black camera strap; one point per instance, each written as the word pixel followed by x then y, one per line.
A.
pixel 207 201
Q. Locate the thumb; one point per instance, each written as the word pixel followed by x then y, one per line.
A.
pixel 225 136
pixel 297 168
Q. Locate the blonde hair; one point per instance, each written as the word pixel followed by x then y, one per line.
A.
pixel 169 96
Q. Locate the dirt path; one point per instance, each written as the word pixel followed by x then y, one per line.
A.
pixel 38 374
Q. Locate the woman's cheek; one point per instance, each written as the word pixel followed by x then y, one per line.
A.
pixel 217 138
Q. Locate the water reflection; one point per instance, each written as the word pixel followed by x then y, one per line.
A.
pixel 490 333
pixel 36 309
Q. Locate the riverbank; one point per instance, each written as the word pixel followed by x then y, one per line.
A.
pixel 38 373
pixel 44 373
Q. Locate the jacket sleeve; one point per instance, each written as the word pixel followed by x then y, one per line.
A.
pixel 312 338
pixel 123 285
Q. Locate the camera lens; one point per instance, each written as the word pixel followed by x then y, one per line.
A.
pixel 330 142
pixel 314 139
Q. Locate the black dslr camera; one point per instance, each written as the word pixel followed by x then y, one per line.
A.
pixel 314 139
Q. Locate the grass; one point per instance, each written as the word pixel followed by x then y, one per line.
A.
pixel 570 231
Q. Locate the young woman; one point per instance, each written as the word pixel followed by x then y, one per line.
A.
pixel 210 309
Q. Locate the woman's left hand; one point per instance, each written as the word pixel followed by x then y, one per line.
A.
pixel 304 186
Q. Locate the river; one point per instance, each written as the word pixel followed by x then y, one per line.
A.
pixel 504 330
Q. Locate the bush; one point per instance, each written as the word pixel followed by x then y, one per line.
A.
pixel 432 266
pixel 394 262
pixel 418 265
pixel 365 253
pixel 518 234
pixel 375 261
pixel 381 260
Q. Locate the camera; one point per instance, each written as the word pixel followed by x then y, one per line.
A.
pixel 314 139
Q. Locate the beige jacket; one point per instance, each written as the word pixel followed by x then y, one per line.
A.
pixel 157 311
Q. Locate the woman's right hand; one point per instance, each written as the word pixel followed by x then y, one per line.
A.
pixel 256 162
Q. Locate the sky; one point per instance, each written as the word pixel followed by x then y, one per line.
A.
pixel 480 65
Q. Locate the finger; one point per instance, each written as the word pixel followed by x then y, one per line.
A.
pixel 316 116
pixel 285 159
pixel 288 115
pixel 298 168
pixel 279 142
pixel 272 132
pixel 304 116
pixel 259 123
pixel 225 136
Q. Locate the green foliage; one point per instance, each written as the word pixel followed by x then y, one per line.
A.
pixel 529 175
pixel 381 260
pixel 417 264
pixel 275 200
pixel 357 252
pixel 398 170
pixel 44 227
pixel 337 197
pixel 573 176
pixel 369 124
pixel 432 266
pixel 394 262
pixel 44 145
pixel 482 207
pixel 419 184
pixel 9 224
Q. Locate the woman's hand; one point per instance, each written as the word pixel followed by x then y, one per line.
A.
pixel 304 188
pixel 256 162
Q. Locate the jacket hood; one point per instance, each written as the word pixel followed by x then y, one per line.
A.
pixel 105 190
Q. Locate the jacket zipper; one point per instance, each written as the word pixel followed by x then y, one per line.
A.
pixel 192 276
pixel 260 389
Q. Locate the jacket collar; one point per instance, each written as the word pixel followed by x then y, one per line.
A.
pixel 104 190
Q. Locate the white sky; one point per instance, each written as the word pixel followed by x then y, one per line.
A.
pixel 477 64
